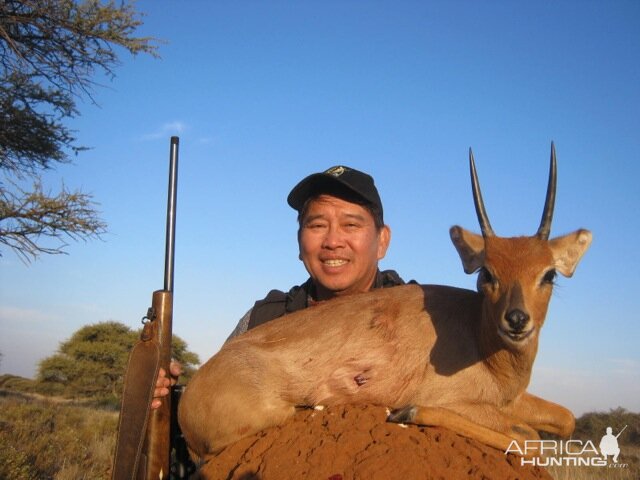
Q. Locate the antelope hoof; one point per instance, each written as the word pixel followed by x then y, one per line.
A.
pixel 403 415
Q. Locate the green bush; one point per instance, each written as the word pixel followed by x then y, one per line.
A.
pixel 17 384
pixel 92 363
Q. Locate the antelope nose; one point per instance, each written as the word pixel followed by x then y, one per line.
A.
pixel 517 319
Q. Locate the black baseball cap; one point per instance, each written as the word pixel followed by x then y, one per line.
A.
pixel 333 181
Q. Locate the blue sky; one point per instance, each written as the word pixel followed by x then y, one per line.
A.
pixel 264 93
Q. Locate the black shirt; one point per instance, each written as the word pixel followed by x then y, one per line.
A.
pixel 278 303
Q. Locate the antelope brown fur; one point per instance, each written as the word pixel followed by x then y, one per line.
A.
pixel 437 355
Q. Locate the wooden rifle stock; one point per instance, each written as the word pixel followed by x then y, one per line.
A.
pixel 143 446
pixel 156 450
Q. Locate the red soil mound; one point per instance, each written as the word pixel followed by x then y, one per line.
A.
pixel 355 442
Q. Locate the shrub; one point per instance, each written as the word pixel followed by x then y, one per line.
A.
pixel 43 439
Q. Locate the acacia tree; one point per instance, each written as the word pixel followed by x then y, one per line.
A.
pixel 51 52
pixel 91 364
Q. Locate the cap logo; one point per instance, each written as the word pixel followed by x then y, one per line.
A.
pixel 335 171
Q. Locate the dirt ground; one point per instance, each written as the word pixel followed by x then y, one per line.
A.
pixel 355 442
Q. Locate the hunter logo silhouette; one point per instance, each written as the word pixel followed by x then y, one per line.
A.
pixel 609 444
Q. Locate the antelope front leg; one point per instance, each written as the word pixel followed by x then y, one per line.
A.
pixel 496 429
pixel 543 415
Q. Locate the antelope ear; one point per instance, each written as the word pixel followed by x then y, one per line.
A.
pixel 470 247
pixel 568 249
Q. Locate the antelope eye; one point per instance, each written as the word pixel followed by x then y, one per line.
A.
pixel 549 277
pixel 485 276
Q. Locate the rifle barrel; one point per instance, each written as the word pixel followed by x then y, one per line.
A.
pixel 171 215
pixel 621 431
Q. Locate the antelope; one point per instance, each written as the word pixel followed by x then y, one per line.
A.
pixel 436 355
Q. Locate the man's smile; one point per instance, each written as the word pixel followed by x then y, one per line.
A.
pixel 334 262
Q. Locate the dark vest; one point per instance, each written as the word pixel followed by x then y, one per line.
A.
pixel 278 303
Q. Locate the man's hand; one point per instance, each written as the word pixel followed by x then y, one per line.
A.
pixel 163 384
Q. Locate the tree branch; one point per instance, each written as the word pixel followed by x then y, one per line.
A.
pixel 28 217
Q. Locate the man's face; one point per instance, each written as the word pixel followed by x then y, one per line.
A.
pixel 340 246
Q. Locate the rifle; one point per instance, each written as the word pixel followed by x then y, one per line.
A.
pixel 143 446
pixel 621 431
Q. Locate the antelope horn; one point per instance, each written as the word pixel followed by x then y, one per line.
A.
pixel 547 215
pixel 483 219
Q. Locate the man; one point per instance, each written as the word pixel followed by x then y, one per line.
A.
pixel 341 238
pixel 609 445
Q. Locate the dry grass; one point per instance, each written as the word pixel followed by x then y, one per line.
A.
pixel 40 439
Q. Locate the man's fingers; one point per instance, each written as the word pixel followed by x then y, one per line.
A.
pixel 161 377
pixel 175 368
pixel 162 381
pixel 162 385
pixel 160 392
